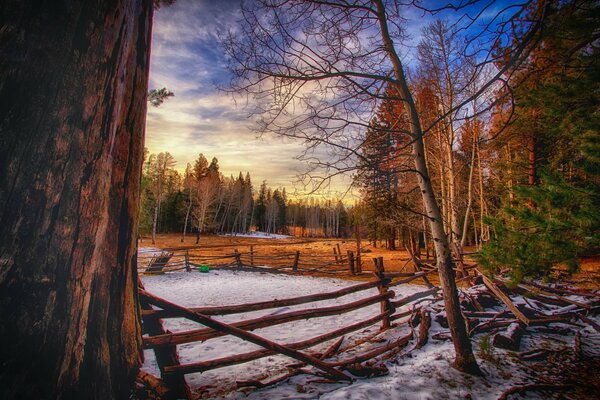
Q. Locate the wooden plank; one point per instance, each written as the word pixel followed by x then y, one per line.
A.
pixel 402 341
pixel 241 308
pixel 248 336
pixel 415 296
pixel 296 259
pixel 418 266
pixel 386 306
pixel 166 356
pixel 202 366
pixel 200 335
pixel 505 299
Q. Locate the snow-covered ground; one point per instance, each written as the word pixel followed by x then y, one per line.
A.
pixel 420 374
pixel 259 235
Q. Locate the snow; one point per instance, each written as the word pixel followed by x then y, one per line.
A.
pixel 144 250
pixel 413 374
pixel 259 235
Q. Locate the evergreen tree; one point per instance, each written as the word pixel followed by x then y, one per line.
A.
pixel 555 220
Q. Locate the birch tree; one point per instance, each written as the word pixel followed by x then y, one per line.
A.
pixel 160 169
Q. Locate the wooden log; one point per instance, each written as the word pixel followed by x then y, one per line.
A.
pixel 382 287
pixel 248 336
pixel 252 255
pixel 392 275
pixel 246 357
pixel 238 259
pixel 423 329
pixel 399 315
pixel 416 275
pixel 339 251
pixel 415 296
pixel 153 384
pixel 351 262
pixel 166 356
pixel 241 308
pixel 510 339
pixel 418 267
pixel 402 341
pixel 262 322
pixel 335 254
pixel 551 298
pixel 187 261
pixel 259 384
pixel 576 292
pixel 296 259
pixel 505 299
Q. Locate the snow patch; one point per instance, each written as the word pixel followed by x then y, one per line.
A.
pixel 259 235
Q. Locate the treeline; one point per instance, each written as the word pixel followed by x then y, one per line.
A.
pixel 519 180
pixel 203 200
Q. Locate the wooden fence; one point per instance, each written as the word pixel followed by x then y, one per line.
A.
pixel 157 262
pixel 172 371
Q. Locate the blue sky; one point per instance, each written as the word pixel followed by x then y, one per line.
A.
pixel 187 59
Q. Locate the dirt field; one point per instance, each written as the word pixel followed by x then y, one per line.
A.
pixel 394 260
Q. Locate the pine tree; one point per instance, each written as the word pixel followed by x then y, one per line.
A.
pixel 555 221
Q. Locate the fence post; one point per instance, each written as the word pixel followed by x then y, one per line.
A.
pixel 252 255
pixel 386 306
pixel 187 261
pixel 339 251
pixel 351 261
pixel 238 258
pixel 335 254
pixel 296 258
pixel 165 356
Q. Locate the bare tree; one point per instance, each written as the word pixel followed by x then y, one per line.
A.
pixel 160 170
pixel 188 186
pixel 318 70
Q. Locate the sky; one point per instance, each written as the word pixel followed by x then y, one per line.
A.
pixel 186 58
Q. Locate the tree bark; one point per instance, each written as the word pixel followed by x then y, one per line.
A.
pixel 464 360
pixel 73 84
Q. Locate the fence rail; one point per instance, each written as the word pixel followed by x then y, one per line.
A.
pixel 164 343
pixel 160 261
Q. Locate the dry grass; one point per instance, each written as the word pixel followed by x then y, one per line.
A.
pixel 395 260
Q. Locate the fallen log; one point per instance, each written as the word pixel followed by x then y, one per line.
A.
pixel 248 336
pixel 576 292
pixel 200 335
pixel 510 339
pixel 403 341
pixel 241 308
pixel 154 384
pixel 505 299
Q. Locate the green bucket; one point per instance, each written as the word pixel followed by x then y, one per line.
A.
pixel 204 268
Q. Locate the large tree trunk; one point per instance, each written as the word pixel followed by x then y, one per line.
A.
pixel 73 84
pixel 464 360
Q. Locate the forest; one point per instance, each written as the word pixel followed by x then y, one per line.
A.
pixel 464 262
pixel 205 201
